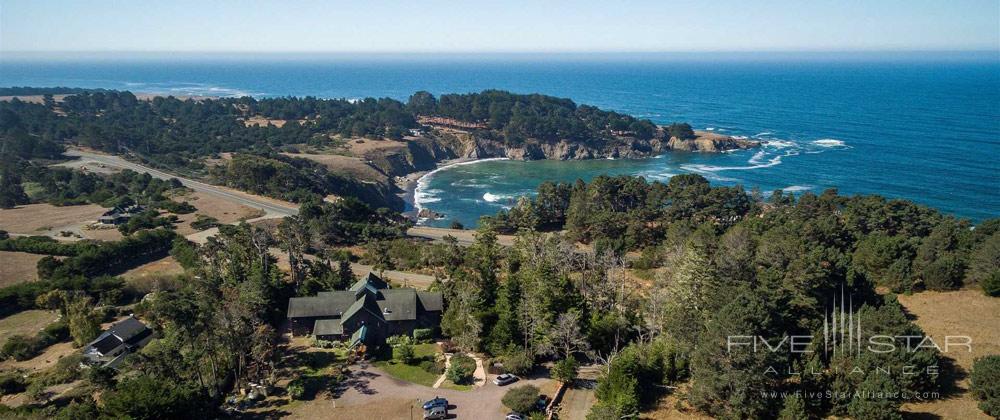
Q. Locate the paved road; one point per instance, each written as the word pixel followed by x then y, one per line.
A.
pixel 272 207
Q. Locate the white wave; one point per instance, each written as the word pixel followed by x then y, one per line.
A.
pixel 422 195
pixel 754 164
pixel 766 133
pixel 493 198
pixel 829 143
pixel 658 176
pixel 797 188
pixel 756 158
pixel 780 144
pixel 709 128
pixel 740 137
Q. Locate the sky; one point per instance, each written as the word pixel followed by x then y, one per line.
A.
pixel 498 26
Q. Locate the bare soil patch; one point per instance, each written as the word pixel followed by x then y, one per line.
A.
pixel 956 313
pixel 166 267
pixel 359 147
pixel 18 267
pixel 344 165
pixel 43 361
pixel 263 122
pixel 209 205
pixel 46 219
pixel 101 233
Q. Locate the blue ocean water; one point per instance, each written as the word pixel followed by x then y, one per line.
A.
pixel 925 127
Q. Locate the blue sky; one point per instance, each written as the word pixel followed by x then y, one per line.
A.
pixel 510 26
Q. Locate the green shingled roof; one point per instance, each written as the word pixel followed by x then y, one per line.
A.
pixel 365 303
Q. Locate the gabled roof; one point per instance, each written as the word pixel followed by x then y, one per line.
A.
pixel 107 344
pixel 431 301
pixel 398 304
pixel 366 303
pixel 328 327
pixel 128 328
pixel 371 281
pixel 326 304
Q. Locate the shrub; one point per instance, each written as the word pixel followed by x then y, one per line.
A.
pixel 202 222
pixel 565 370
pixel 521 398
pixel 991 285
pixel 12 383
pixel 518 362
pixel 432 366
pixel 459 373
pixel 985 384
pixel 398 340
pixel 423 334
pixel 403 353
pixel 18 347
pixel 296 389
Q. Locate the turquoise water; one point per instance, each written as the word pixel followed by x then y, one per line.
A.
pixel 925 127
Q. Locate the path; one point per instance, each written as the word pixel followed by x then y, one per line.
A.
pixel 271 206
pixel 464 237
pixel 479 374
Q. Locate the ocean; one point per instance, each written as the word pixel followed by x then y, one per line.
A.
pixel 918 126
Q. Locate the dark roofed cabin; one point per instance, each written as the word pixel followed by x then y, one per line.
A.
pixel 111 347
pixel 369 303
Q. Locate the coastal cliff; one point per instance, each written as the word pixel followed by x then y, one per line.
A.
pixel 423 153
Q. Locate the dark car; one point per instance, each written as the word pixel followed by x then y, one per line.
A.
pixel 436 402
pixel 504 379
pixel 542 403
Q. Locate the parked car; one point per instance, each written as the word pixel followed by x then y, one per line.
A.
pixel 504 379
pixel 436 402
pixel 542 402
pixel 436 413
pixel 514 416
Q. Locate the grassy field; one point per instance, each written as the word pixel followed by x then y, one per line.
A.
pixel 961 312
pixel 412 373
pixel 25 323
pixel 18 267
pixel 43 219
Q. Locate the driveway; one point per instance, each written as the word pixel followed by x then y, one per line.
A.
pixel 369 385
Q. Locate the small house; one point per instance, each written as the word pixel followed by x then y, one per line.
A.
pixel 120 214
pixel 123 338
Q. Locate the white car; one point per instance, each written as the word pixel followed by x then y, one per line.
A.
pixel 504 379
pixel 514 416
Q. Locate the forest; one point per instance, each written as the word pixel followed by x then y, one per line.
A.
pixel 647 280
pixel 179 135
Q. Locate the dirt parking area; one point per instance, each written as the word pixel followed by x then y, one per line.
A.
pixel 956 313
pixel 18 267
pixel 46 219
